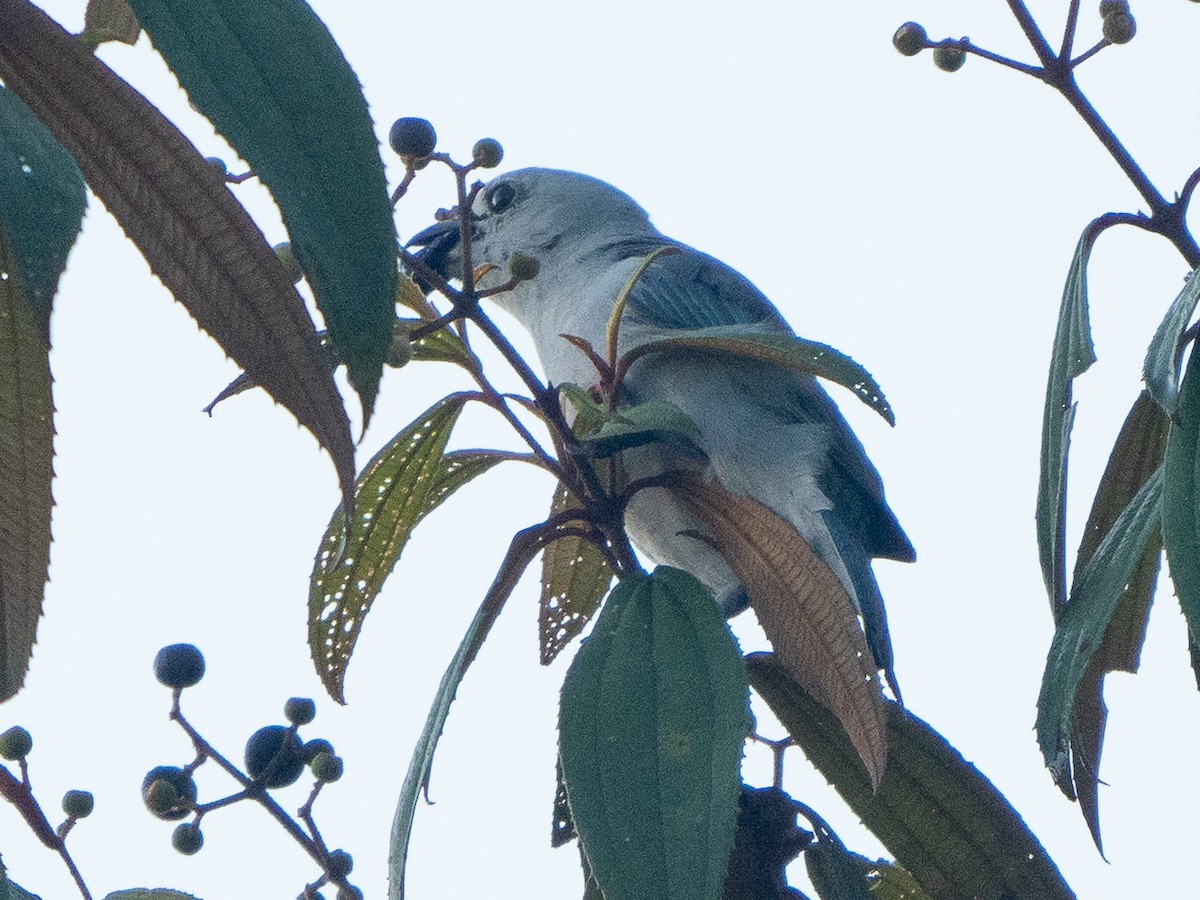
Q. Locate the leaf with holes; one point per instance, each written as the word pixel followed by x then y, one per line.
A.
pixel 271 78
pixel 42 199
pixel 651 724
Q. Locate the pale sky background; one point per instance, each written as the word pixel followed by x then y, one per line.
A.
pixel 921 222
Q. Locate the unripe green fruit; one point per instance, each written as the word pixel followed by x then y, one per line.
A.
pixel 487 153
pixel 523 267
pixel 78 804
pixel 187 839
pixel 326 767
pixel 315 747
pixel 1108 7
pixel 263 748
pixel 300 710
pixel 288 260
pixel 15 743
pixel 1119 28
pixel 341 864
pixel 412 138
pixel 179 665
pixel 949 59
pixel 157 788
pixel 910 39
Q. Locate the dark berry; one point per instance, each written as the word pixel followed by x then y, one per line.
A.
pixel 412 138
pixel 487 153
pixel 168 792
pixel 187 839
pixel 275 756
pixel 326 767
pixel 78 804
pixel 910 39
pixel 299 710
pixel 949 59
pixel 179 665
pixel 523 267
pixel 1119 28
pixel 340 865
pixel 15 743
pixel 1108 7
pixel 315 747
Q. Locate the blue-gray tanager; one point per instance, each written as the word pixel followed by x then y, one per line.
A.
pixel 763 431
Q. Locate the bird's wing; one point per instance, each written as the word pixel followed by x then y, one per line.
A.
pixel 688 290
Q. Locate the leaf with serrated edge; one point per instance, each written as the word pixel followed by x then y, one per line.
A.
pixel 1181 497
pixel 1073 355
pixel 652 720
pixel 1163 356
pixel 804 610
pixel 405 481
pixel 575 578
pixel 272 80
pixel 178 211
pixel 936 813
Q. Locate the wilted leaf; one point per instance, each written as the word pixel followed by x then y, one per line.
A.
pixel 1073 355
pixel 270 77
pixel 179 213
pixel 42 200
pixel 403 483
pixel 804 610
pixel 651 724
pixel 575 578
pixel 1163 356
pixel 937 814
pixel 109 20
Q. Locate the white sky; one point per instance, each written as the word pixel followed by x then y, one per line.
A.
pixel 919 221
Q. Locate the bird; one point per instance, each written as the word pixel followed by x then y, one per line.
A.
pixel 762 430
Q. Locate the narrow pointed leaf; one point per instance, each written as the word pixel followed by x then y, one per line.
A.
pixel 196 237
pixel 937 814
pixel 1181 497
pixel 405 481
pixel 575 578
pixel 1073 354
pixel 524 547
pixel 804 610
pixel 110 20
pixel 1161 369
pixel 42 199
pixel 651 724
pixel 269 76
pixel 788 351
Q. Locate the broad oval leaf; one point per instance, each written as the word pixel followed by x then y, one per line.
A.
pixel 1163 356
pixel 405 481
pixel 42 199
pixel 195 236
pixel 1073 355
pixel 1181 497
pixel 651 724
pixel 269 76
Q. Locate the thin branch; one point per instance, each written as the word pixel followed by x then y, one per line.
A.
pixel 1068 41
pixel 1032 33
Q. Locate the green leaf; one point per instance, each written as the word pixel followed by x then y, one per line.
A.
pixel 788 351
pixel 575 578
pixel 1073 355
pixel 606 431
pixel 405 481
pixel 651 724
pixel 524 547
pixel 836 873
pixel 1181 497
pixel 42 199
pixel 179 212
pixel 1161 368
pixel 1094 597
pixel 937 814
pixel 892 882
pixel 269 76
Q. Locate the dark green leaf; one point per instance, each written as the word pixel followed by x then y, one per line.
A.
pixel 942 820
pixel 407 479
pixel 1161 369
pixel 892 882
pixel 270 77
pixel 835 873
pixel 575 578
pixel 606 431
pixel 1073 354
pixel 651 724
pixel 1181 497
pixel 182 217
pixel 787 351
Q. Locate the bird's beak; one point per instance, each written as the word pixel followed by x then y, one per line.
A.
pixel 438 247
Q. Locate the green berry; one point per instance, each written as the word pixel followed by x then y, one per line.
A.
pixel 340 864
pixel 179 665
pixel 910 39
pixel 187 839
pixel 1108 7
pixel 487 153
pixel 326 767
pixel 262 750
pixel 315 747
pixel 523 267
pixel 1119 28
pixel 78 804
pixel 168 792
pixel 299 710
pixel 288 260
pixel 15 743
pixel 412 138
pixel 949 59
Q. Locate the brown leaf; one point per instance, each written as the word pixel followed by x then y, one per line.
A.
pixel 178 211
pixel 804 610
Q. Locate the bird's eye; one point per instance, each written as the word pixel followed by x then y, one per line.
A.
pixel 500 197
